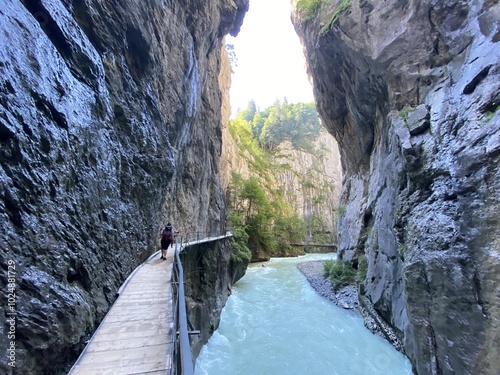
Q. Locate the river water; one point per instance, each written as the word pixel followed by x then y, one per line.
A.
pixel 274 323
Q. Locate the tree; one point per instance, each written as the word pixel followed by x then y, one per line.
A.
pixel 257 125
pixel 249 113
pixel 231 54
pixel 299 123
pixel 255 197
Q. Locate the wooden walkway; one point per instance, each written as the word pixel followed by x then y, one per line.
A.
pixel 135 335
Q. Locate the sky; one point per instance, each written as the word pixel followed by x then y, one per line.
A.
pixel 270 60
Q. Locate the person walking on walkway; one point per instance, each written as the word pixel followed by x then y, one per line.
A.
pixel 167 238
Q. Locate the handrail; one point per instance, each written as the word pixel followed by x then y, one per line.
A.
pixel 189 237
pixel 183 351
pixel 181 356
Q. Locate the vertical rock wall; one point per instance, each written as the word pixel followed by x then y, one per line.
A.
pixel 310 181
pixel 206 270
pixel 110 117
pixel 411 91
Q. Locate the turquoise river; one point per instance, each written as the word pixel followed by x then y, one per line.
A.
pixel 274 323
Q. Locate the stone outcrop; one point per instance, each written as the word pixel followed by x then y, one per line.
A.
pixel 110 116
pixel 411 91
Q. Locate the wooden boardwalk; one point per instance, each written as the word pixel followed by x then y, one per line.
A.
pixel 135 335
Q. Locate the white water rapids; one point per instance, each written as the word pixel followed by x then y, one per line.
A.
pixel 274 323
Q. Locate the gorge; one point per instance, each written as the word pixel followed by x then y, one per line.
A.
pixel 110 127
pixel 112 117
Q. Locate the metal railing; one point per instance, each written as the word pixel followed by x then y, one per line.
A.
pixel 190 237
pixel 182 360
pixel 181 356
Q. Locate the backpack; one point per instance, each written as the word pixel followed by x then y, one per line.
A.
pixel 167 233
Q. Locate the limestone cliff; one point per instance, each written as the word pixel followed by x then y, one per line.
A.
pixel 311 181
pixel 411 91
pixel 110 116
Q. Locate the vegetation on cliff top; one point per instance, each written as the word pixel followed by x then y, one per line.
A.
pixel 310 9
pixel 298 123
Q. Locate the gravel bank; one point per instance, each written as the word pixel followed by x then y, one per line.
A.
pixel 347 298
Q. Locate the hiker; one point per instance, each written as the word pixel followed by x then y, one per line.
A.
pixel 167 238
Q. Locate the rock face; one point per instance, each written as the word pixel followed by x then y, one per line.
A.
pixel 206 270
pixel 110 118
pixel 311 182
pixel 411 91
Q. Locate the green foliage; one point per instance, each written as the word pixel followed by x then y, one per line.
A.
pixel 309 9
pixel 255 198
pixel 315 227
pixel 362 269
pixel 257 204
pixel 488 115
pixel 298 123
pixel 249 113
pixel 241 252
pixel 322 238
pixel 257 125
pixel 341 210
pixel 258 222
pixel 341 273
pixel 231 54
pixel 334 17
pixel 241 131
pixel 288 230
pixel 405 112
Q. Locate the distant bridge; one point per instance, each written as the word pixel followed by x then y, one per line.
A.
pixel 143 332
pixel 311 247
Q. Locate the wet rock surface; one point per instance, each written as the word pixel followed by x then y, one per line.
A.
pixel 110 119
pixel 411 90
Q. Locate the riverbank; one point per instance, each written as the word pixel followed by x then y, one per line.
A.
pixel 348 298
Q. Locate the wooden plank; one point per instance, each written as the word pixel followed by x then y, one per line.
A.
pixel 117 343
pixel 135 335
pixel 127 356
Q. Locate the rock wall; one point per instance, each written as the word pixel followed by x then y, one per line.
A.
pixel 230 160
pixel 311 182
pixel 411 91
pixel 208 285
pixel 110 118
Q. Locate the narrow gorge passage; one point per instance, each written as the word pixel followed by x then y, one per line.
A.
pixel 275 323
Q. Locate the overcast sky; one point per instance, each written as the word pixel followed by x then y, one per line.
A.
pixel 271 63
